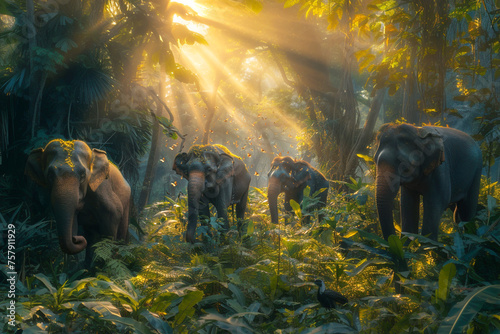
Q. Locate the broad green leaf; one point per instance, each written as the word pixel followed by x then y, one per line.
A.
pixel 157 323
pixel 250 228
pixel 45 280
pixel 296 208
pixel 238 294
pixel 463 312
pixel 396 247
pixel 186 307
pixel 445 276
pixel 307 191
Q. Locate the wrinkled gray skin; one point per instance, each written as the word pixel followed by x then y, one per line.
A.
pixel 442 165
pixel 214 176
pixel 292 177
pixel 85 190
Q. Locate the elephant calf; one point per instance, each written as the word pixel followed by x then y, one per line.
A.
pixel 442 165
pixel 214 176
pixel 292 177
pixel 85 190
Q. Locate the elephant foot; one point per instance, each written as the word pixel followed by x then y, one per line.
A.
pixel 191 236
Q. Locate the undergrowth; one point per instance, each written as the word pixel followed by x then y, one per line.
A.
pixel 258 277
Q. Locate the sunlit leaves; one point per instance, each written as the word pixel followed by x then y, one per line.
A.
pixel 185 36
pixel 290 3
pixel 296 208
pixel 255 5
pixel 462 313
pixel 186 307
pixel 446 274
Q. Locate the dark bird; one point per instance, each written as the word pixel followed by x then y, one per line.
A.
pixel 326 297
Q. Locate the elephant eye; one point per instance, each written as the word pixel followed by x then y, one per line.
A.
pixel 83 176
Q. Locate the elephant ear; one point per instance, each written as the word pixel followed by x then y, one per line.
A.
pixel 180 165
pixel 433 148
pixel 34 168
pixel 301 173
pixel 225 168
pixel 212 159
pixel 99 168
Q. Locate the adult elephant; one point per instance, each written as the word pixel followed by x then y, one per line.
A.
pixel 443 165
pixel 215 176
pixel 292 177
pixel 85 190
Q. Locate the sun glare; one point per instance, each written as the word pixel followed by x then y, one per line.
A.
pixel 198 9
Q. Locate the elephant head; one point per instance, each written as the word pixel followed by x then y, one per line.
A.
pixel 69 169
pixel 286 174
pixel 404 156
pixel 205 167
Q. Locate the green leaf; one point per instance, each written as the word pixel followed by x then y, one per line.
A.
pixel 250 228
pixel 3 8
pixel 445 276
pixel 366 158
pixel 396 247
pixel 296 208
pixel 290 3
pixel 45 280
pixel 186 307
pixel 363 264
pixel 255 5
pixel 492 203
pixel 307 191
pixel 330 328
pixel 463 312
pixel 260 192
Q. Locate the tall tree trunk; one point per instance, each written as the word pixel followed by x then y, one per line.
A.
pixel 156 144
pixel 147 184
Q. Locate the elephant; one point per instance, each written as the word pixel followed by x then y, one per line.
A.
pixel 215 176
pixel 85 189
pixel 292 177
pixel 443 165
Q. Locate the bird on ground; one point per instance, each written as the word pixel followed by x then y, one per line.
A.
pixel 327 298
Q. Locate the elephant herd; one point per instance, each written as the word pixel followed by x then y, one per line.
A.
pixel 442 165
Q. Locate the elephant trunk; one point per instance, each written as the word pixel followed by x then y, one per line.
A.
pixel 273 190
pixel 387 187
pixel 196 186
pixel 212 191
pixel 65 199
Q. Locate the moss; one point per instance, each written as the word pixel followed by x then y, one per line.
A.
pixel 198 150
pixel 68 146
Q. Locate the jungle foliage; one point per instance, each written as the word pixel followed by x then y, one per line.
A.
pixel 308 78
pixel 259 279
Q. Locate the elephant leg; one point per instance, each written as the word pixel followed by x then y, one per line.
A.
pixel 204 209
pixel 241 206
pixel 410 207
pixel 288 207
pixel 122 232
pixel 433 210
pixel 91 237
pixel 223 201
pixel 466 208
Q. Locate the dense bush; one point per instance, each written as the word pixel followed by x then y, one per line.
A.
pixel 257 277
